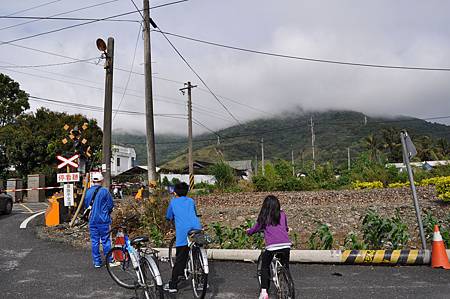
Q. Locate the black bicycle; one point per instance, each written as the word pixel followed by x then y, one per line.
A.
pixel 197 268
pixel 134 266
pixel 280 275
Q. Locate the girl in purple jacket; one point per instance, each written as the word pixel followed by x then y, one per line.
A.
pixel 273 222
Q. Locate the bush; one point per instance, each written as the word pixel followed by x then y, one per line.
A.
pixel 321 238
pixel 384 233
pixel 399 185
pixel 153 219
pixel 235 238
pixel 429 221
pixel 367 185
pixel 352 242
pixel 224 175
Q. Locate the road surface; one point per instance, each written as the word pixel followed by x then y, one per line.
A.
pixel 34 268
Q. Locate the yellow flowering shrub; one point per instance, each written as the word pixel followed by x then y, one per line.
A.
pixel 399 185
pixel 357 185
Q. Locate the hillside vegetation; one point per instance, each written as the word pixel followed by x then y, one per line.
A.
pixel 335 131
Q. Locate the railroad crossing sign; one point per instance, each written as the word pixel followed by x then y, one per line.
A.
pixel 68 161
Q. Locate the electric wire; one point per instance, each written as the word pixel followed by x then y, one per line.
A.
pixel 60 14
pixel 80 24
pixel 348 63
pixel 34 7
pixel 131 69
pixel 46 65
pixel 198 76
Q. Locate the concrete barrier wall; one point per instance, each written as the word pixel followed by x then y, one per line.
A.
pixel 368 257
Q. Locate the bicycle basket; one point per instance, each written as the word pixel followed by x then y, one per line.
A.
pixel 201 239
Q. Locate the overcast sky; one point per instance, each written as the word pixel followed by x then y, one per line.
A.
pixel 407 33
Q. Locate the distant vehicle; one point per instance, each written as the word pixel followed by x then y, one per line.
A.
pixel 6 203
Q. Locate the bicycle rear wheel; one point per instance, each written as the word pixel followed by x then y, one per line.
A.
pixel 123 273
pixel 258 269
pixel 286 288
pixel 152 290
pixel 199 276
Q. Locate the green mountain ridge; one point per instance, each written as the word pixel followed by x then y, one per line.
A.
pixel 335 131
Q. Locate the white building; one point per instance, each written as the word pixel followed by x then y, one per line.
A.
pixel 123 158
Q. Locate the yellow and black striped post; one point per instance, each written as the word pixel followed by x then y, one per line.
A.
pixel 391 257
pixel 191 182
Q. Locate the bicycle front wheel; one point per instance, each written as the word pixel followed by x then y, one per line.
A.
pixel 172 252
pixel 121 270
pixel 152 289
pixel 199 276
pixel 286 288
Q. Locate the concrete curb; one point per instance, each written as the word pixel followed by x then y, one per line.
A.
pixel 353 257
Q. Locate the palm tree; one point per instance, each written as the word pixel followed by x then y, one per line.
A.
pixel 391 143
pixel 443 147
pixel 372 145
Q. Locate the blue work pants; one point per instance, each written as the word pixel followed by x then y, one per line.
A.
pixel 99 232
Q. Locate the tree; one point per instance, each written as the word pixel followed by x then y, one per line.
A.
pixel 13 100
pixel 35 139
pixel 224 174
pixel 392 144
pixel 372 145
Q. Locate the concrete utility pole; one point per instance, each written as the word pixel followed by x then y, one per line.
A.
pixel 262 157
pixel 293 165
pixel 150 127
pixel 313 139
pixel 189 87
pixel 107 113
pixel 348 158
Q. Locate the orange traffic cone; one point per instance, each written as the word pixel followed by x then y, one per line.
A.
pixel 120 241
pixel 439 258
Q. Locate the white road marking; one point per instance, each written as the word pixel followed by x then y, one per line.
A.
pixel 25 222
pixel 29 210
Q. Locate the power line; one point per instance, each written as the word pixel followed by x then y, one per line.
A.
pixel 46 65
pixel 197 75
pixel 66 19
pixel 60 14
pixel 34 7
pixel 385 66
pixel 131 69
pixel 98 108
pixel 81 24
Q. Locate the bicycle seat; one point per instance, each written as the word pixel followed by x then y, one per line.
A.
pixel 194 231
pixel 137 240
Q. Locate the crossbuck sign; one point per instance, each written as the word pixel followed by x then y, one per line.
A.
pixel 67 161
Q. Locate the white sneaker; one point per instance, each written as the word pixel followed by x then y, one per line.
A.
pixel 114 264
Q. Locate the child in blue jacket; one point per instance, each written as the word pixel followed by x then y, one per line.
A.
pixel 181 209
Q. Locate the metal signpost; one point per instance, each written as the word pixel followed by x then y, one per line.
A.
pixel 409 151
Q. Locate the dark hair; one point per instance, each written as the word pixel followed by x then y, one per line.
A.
pixel 181 189
pixel 270 212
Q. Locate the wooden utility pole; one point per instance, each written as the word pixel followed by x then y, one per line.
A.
pixel 313 139
pixel 262 157
pixel 189 87
pixel 150 127
pixel 107 113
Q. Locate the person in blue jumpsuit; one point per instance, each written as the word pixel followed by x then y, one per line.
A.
pixel 100 218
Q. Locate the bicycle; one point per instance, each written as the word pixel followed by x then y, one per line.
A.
pixel 197 268
pixel 135 267
pixel 280 276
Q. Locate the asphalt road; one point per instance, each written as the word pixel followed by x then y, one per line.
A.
pixel 34 268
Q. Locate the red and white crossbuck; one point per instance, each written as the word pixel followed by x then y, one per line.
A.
pixel 68 161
